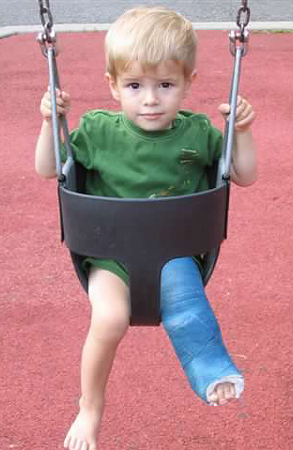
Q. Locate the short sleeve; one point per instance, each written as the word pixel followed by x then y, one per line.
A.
pixel 82 143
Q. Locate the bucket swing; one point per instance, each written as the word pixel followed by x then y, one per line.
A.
pixel 143 234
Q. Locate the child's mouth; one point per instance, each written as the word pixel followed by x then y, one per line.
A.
pixel 152 116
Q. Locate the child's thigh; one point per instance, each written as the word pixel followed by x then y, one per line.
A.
pixel 109 297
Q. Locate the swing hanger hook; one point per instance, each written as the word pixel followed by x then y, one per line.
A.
pixel 240 37
pixel 47 38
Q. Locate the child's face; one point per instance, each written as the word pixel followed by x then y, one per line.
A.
pixel 151 98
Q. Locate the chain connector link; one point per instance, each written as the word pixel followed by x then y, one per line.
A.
pixel 45 44
pixel 239 38
pixel 47 38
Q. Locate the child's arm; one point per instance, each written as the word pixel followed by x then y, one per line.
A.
pixel 244 158
pixel 45 163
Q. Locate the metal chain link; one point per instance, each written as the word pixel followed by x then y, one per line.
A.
pixel 239 38
pixel 243 16
pixel 45 14
pixel 48 36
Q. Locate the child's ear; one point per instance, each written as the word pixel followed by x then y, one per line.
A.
pixel 112 82
pixel 191 78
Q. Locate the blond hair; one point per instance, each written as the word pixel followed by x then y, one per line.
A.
pixel 150 36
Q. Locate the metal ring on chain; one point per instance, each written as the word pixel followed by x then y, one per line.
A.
pixel 46 19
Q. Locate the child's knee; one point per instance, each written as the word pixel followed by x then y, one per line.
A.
pixel 109 298
pixel 109 325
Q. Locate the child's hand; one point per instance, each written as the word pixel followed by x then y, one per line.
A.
pixel 244 113
pixel 63 104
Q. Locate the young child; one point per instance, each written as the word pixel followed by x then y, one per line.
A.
pixel 142 151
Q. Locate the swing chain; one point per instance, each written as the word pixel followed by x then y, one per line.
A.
pixel 48 36
pixel 239 38
pixel 243 16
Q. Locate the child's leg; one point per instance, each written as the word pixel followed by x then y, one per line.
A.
pixel 195 334
pixel 109 298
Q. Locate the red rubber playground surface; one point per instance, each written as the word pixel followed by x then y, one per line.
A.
pixel 44 312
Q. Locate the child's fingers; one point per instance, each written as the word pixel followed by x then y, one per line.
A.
pixel 66 100
pixel 246 121
pixel 244 114
pixel 46 102
pixel 224 109
pixel 46 96
pixel 62 98
pixel 46 106
pixel 62 110
pixel 242 105
pixel 243 109
pixel 62 103
pixel 65 95
pixel 59 94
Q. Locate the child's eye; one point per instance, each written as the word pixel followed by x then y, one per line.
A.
pixel 133 85
pixel 166 85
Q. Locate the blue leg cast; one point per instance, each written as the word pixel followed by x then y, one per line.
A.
pixel 193 329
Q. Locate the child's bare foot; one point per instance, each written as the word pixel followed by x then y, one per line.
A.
pixel 222 394
pixel 83 432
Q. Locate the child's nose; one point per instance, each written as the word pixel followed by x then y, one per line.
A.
pixel 151 97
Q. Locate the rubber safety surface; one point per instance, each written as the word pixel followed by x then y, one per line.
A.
pixel 44 312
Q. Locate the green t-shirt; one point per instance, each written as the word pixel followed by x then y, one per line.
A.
pixel 127 162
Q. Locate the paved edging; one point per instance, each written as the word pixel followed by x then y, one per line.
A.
pixel 77 27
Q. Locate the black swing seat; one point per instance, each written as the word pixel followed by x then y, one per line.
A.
pixel 143 234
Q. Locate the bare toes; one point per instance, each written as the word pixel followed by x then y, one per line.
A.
pixel 71 444
pixel 67 442
pixel 231 391
pixel 222 394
